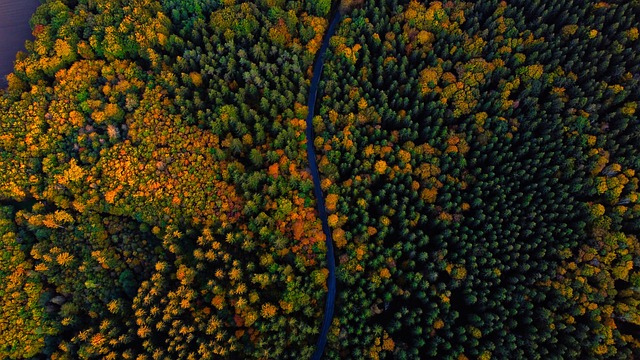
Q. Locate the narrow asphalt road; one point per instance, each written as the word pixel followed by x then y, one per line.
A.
pixel 311 154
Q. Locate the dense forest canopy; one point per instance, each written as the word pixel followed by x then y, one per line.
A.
pixel 478 159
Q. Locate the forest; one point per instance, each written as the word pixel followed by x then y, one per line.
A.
pixel 478 164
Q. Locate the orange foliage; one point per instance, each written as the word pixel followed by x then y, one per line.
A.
pixel 268 310
pixel 333 220
pixel 331 202
pixel 380 166
pixel 339 238
pixel 429 195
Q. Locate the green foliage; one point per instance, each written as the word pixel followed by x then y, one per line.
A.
pixel 322 7
pixel 24 327
pixel 461 147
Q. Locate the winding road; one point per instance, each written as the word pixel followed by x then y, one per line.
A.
pixel 311 154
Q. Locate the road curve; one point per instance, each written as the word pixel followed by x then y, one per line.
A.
pixel 313 165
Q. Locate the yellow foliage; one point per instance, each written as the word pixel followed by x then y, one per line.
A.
pixel 629 108
pixel 404 156
pixel 597 210
pixel 601 185
pixel 333 220
pixel 380 166
pixel 339 238
pixel 64 259
pixel 429 195
pixel 218 302
pixel 235 274
pixel 387 343
pixel 325 183
pixel 112 131
pixel 331 202
pixel 196 78
pixel 568 30
pixel 368 150
pixel 143 331
pixel 425 37
pixel 459 272
pixel 360 252
pixel 319 24
pixel 616 88
pixel 62 216
pixel 97 340
pixel 50 222
pixel 268 310
pixel 362 104
pixel 475 332
pixel 110 196
pixel 535 71
pixel 429 78
pixel 279 34
pixel 63 49
pixel 73 174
